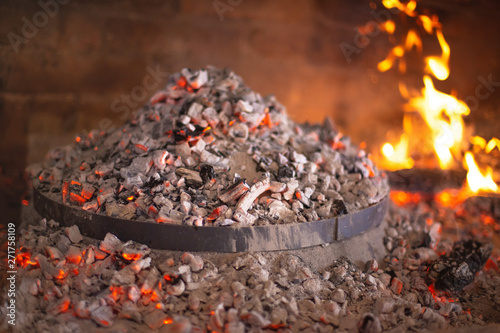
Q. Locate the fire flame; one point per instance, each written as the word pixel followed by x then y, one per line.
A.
pixel 442 113
pixel 438 66
pixel 476 180
pixel 398 154
pixel 408 9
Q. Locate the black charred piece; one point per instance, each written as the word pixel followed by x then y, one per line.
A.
pixel 185 133
pixel 285 171
pixel 339 206
pixel 456 271
pixel 207 172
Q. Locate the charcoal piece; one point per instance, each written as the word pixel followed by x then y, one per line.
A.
pixel 457 270
pixel 285 171
pixel 453 277
pixel 234 191
pixel 266 161
pixel 184 133
pixel 369 324
pixel 207 172
pixel 200 200
pixel 339 207
pixel 192 177
pixel 153 183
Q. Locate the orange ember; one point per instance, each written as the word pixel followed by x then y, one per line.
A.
pixel 169 278
pixel 491 265
pixel 64 306
pixel 441 296
pixel 337 144
pixel 77 198
pixel 370 170
pixel 450 198
pixel 116 292
pixel 401 198
pixel 131 256
pixel 61 275
pixel 142 147
pixel 23 259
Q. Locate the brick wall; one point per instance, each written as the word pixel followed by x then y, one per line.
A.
pixel 64 79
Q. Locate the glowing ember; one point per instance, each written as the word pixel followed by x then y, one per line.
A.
pixel 131 256
pixel 450 198
pixel 23 259
pixel 77 198
pixel 65 190
pixel 441 296
pixel 401 198
pixel 61 275
pixel 142 147
pixel 116 292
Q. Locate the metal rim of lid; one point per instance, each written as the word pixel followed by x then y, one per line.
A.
pixel 175 237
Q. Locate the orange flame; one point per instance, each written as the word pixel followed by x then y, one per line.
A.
pixel 443 115
pixel 441 112
pixel 476 180
pixel 413 40
pixel 388 26
pixel 438 66
pixel 429 23
pixel 408 9
pixel 397 156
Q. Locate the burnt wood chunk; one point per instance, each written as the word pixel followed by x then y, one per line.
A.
pixel 456 271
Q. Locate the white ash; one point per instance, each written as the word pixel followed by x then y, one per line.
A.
pixel 250 292
pixel 205 141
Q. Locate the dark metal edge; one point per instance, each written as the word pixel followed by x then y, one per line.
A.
pixel 354 224
pixel 213 239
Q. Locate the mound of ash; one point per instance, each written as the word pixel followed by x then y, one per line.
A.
pixel 209 151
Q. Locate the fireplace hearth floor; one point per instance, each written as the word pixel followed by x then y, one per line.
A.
pixel 133 289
